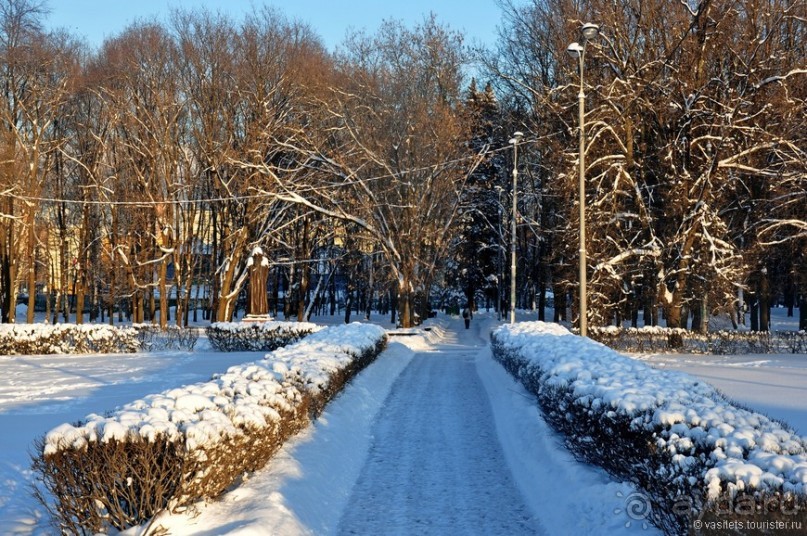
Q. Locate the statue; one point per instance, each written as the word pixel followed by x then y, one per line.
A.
pixel 258 265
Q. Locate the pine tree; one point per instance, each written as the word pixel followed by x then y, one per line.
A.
pixel 480 242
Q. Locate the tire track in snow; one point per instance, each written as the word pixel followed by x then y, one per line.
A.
pixel 435 465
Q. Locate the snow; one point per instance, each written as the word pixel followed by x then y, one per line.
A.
pixel 257 251
pixel 580 499
pixel 308 485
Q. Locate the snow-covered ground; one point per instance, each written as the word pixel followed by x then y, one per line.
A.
pixel 311 486
pixel 773 384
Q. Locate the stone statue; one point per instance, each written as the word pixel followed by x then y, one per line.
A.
pixel 258 264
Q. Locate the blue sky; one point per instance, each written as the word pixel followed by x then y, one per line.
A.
pixel 97 19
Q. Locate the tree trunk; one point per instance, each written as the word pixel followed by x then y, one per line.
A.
pixel 289 293
pixel 31 291
pixel 314 302
pixel 560 304
pixel 370 290
pixel 332 296
pixel 348 303
pixel 57 301
pixel 753 311
pixel 152 309
pixel 276 291
pixel 305 273
pixel 764 301
pixel 305 278
pixel 223 284
pixel 405 303
pixel 48 297
pixel 673 314
pixel 163 277
pixel 405 313
pixel 62 303
pixel 31 271
pixel 542 301
pixel 111 298
pixel 699 316
pixel 80 293
pixel 215 292
pixel 393 300
pixel 790 294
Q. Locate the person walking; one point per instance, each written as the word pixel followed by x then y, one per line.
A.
pixel 466 315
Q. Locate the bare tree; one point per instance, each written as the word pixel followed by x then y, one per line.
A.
pixel 37 73
pixel 390 158
pixel 687 105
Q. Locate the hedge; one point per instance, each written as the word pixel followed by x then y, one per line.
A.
pixel 169 450
pixel 257 336
pixel 674 436
pixel 44 339
pixel 39 339
pixel 152 338
pixel 658 339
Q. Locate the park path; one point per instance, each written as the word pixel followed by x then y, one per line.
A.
pixel 435 464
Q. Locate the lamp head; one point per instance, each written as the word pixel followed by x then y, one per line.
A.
pixel 575 50
pixel 590 31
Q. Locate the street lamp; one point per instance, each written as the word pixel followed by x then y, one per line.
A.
pixel 514 140
pixel 499 256
pixel 576 50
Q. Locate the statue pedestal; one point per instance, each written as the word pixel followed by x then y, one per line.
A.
pixel 256 318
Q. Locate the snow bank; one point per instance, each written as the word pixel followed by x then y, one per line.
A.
pixel 213 431
pixel 667 431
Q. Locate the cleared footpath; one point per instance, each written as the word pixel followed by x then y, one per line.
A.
pixel 435 465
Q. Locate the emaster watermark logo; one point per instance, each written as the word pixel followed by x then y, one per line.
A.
pixel 743 514
pixel 637 507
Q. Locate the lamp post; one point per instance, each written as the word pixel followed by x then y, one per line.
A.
pixel 576 50
pixel 499 256
pixel 514 140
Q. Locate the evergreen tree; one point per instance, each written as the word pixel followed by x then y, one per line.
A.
pixel 479 247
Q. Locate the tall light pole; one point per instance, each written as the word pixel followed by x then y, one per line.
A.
pixel 514 140
pixel 499 256
pixel 576 50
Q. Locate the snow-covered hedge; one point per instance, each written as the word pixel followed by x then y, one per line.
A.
pixel 169 450
pixel 37 339
pixel 658 339
pixel 151 337
pixel 257 336
pixel 670 433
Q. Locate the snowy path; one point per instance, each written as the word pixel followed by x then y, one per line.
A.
pixel 435 465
